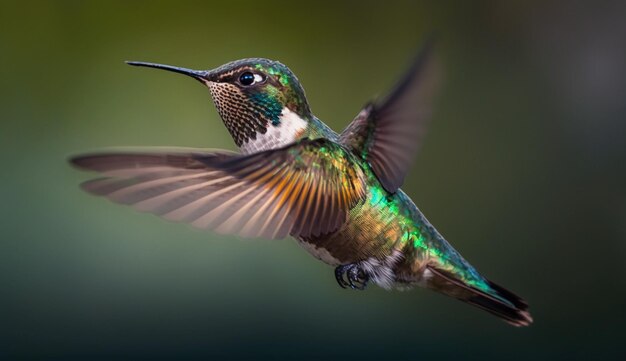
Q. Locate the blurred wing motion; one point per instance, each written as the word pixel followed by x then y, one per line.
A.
pixel 388 133
pixel 303 189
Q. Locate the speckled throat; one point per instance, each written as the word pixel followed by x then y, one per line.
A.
pixel 245 115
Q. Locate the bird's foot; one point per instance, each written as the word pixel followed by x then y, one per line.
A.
pixel 351 275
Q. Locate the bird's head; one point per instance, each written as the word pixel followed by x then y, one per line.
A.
pixel 251 95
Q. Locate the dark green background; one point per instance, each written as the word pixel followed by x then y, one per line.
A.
pixel 523 170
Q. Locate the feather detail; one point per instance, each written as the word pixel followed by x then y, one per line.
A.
pixel 388 133
pixel 304 189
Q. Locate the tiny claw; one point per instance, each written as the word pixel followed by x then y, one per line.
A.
pixel 339 272
pixel 357 278
pixel 351 275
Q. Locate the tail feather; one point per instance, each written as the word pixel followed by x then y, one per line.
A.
pixel 499 301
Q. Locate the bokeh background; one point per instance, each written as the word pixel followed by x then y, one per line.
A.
pixel 523 170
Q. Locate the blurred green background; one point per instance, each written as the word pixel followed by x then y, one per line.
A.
pixel 523 170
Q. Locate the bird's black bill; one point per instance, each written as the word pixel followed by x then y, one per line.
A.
pixel 201 75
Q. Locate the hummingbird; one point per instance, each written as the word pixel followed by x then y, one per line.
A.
pixel 337 194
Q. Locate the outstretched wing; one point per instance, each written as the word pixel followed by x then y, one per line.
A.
pixel 388 133
pixel 304 189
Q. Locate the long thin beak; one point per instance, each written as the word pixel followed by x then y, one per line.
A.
pixel 201 75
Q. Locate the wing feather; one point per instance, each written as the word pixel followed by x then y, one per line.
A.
pixel 388 133
pixel 304 189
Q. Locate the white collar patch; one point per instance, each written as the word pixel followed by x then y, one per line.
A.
pixel 286 132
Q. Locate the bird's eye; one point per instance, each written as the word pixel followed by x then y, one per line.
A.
pixel 249 78
pixel 246 78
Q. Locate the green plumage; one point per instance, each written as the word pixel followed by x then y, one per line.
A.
pixel 338 194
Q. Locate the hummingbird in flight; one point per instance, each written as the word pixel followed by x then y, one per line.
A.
pixel 337 194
